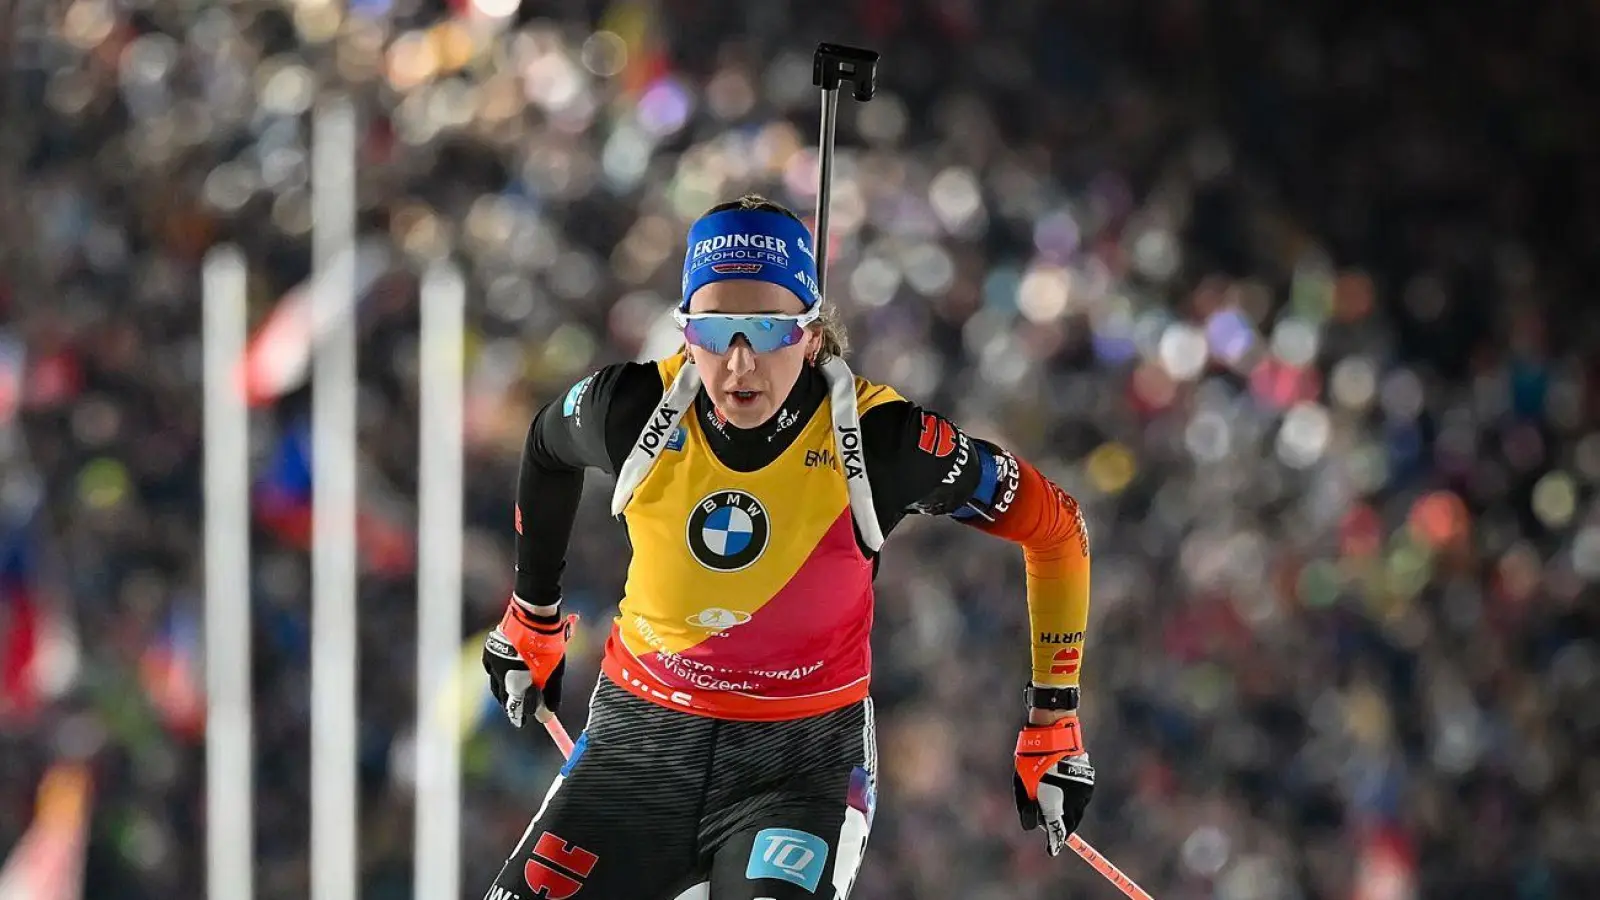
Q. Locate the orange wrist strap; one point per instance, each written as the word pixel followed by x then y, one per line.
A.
pixel 1062 737
pixel 540 646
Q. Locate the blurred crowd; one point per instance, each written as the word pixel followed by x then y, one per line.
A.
pixel 1297 299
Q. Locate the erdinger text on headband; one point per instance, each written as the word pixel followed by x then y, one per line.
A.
pixel 753 245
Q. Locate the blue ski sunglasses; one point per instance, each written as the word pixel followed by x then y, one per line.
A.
pixel 765 332
pixel 751 245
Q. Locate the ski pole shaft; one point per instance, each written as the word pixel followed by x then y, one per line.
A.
pixel 830 116
pixel 1102 865
pixel 558 732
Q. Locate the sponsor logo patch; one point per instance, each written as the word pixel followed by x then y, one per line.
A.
pixel 1065 662
pixel 728 531
pixel 556 868
pixel 850 453
pixel 788 854
pixel 570 403
pixel 718 619
pixel 823 459
pixel 655 431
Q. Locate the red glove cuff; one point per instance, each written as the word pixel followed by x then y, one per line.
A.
pixel 540 646
pixel 1062 737
pixel 1040 747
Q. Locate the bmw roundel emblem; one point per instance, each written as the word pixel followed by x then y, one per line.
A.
pixel 728 531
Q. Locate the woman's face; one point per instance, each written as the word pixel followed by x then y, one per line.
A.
pixel 749 387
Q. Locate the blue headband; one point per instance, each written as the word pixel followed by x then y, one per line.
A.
pixel 754 245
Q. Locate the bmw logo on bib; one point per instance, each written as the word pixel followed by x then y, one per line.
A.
pixel 728 531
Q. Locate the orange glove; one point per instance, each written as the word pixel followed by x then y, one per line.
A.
pixel 1053 780
pixel 527 651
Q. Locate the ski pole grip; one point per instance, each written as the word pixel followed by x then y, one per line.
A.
pixel 835 64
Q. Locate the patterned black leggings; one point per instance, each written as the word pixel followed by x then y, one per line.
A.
pixel 657 804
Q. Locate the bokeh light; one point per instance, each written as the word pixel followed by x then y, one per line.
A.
pixel 1439 519
pixel 1354 383
pixel 1305 434
pixel 1183 351
pixel 1111 468
pixel 1555 499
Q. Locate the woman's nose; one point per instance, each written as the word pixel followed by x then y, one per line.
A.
pixel 741 359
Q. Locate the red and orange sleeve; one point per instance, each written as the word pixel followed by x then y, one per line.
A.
pixel 1030 510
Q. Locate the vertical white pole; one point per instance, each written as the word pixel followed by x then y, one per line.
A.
pixel 230 854
pixel 440 459
pixel 334 647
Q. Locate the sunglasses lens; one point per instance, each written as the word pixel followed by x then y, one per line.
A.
pixel 703 333
pixel 765 334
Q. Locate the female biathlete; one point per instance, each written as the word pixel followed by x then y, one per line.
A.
pixel 729 750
